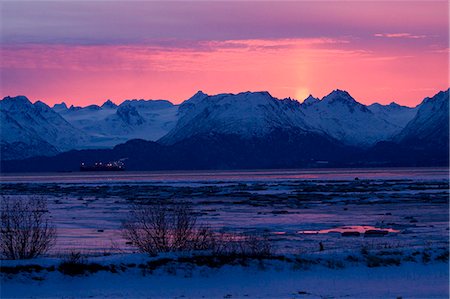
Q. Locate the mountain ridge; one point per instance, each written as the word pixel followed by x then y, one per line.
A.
pixel 337 119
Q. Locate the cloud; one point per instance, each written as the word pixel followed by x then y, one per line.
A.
pixel 400 35
pixel 160 55
pixel 118 22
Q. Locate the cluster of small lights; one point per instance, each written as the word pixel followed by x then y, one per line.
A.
pixel 109 165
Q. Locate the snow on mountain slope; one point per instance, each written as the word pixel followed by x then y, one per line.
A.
pixel 247 114
pixel 60 107
pixel 37 125
pixel 109 105
pixel 36 128
pixel 431 123
pixel 340 116
pixel 110 124
pixel 18 143
pixel 394 113
pixel 310 100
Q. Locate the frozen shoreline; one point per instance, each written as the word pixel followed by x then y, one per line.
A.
pixel 272 279
pixel 88 217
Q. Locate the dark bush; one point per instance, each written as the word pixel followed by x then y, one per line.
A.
pixel 243 245
pixel 73 264
pixel 158 228
pixel 76 264
pixel 173 227
pixel 26 230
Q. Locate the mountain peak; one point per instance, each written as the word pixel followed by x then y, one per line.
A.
pixel 339 96
pixel 17 102
pixel 198 96
pixel 109 105
pixel 394 105
pixel 261 93
pixel 310 100
pixel 200 93
pixel 60 106
pixel 17 99
pixel 442 95
pixel 92 107
pixel 40 104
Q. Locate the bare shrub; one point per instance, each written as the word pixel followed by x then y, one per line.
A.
pixel 26 230
pixel 158 228
pixel 243 245
pixel 203 239
pixel 257 246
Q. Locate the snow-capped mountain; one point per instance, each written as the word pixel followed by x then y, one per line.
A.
pixel 430 126
pixel 255 114
pixel 394 113
pixel 19 143
pixel 247 114
pixel 241 129
pixel 310 100
pixel 35 129
pixel 37 126
pixel 342 117
pixel 109 105
pixel 109 124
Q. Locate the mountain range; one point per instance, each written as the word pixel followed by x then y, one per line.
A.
pixel 225 131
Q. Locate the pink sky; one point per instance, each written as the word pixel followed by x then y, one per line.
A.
pixel 84 53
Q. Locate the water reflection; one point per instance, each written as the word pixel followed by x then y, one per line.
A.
pixel 360 229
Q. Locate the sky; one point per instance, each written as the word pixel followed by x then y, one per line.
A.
pixel 85 52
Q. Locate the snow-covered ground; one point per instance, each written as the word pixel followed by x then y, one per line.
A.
pixel 272 280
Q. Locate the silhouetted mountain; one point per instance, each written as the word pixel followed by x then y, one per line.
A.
pixel 279 149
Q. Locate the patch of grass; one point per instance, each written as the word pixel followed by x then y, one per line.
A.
pixel 38 278
pixel 20 268
pixel 155 264
pixel 385 252
pixel 426 257
pixel 211 261
pixel 352 258
pixel 443 257
pixel 364 250
pixel 222 260
pixel 303 264
pixel 409 258
pixel 75 264
pixel 379 261
pixel 334 264
pixel 74 269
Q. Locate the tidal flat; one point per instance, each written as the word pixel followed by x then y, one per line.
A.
pixel 363 222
